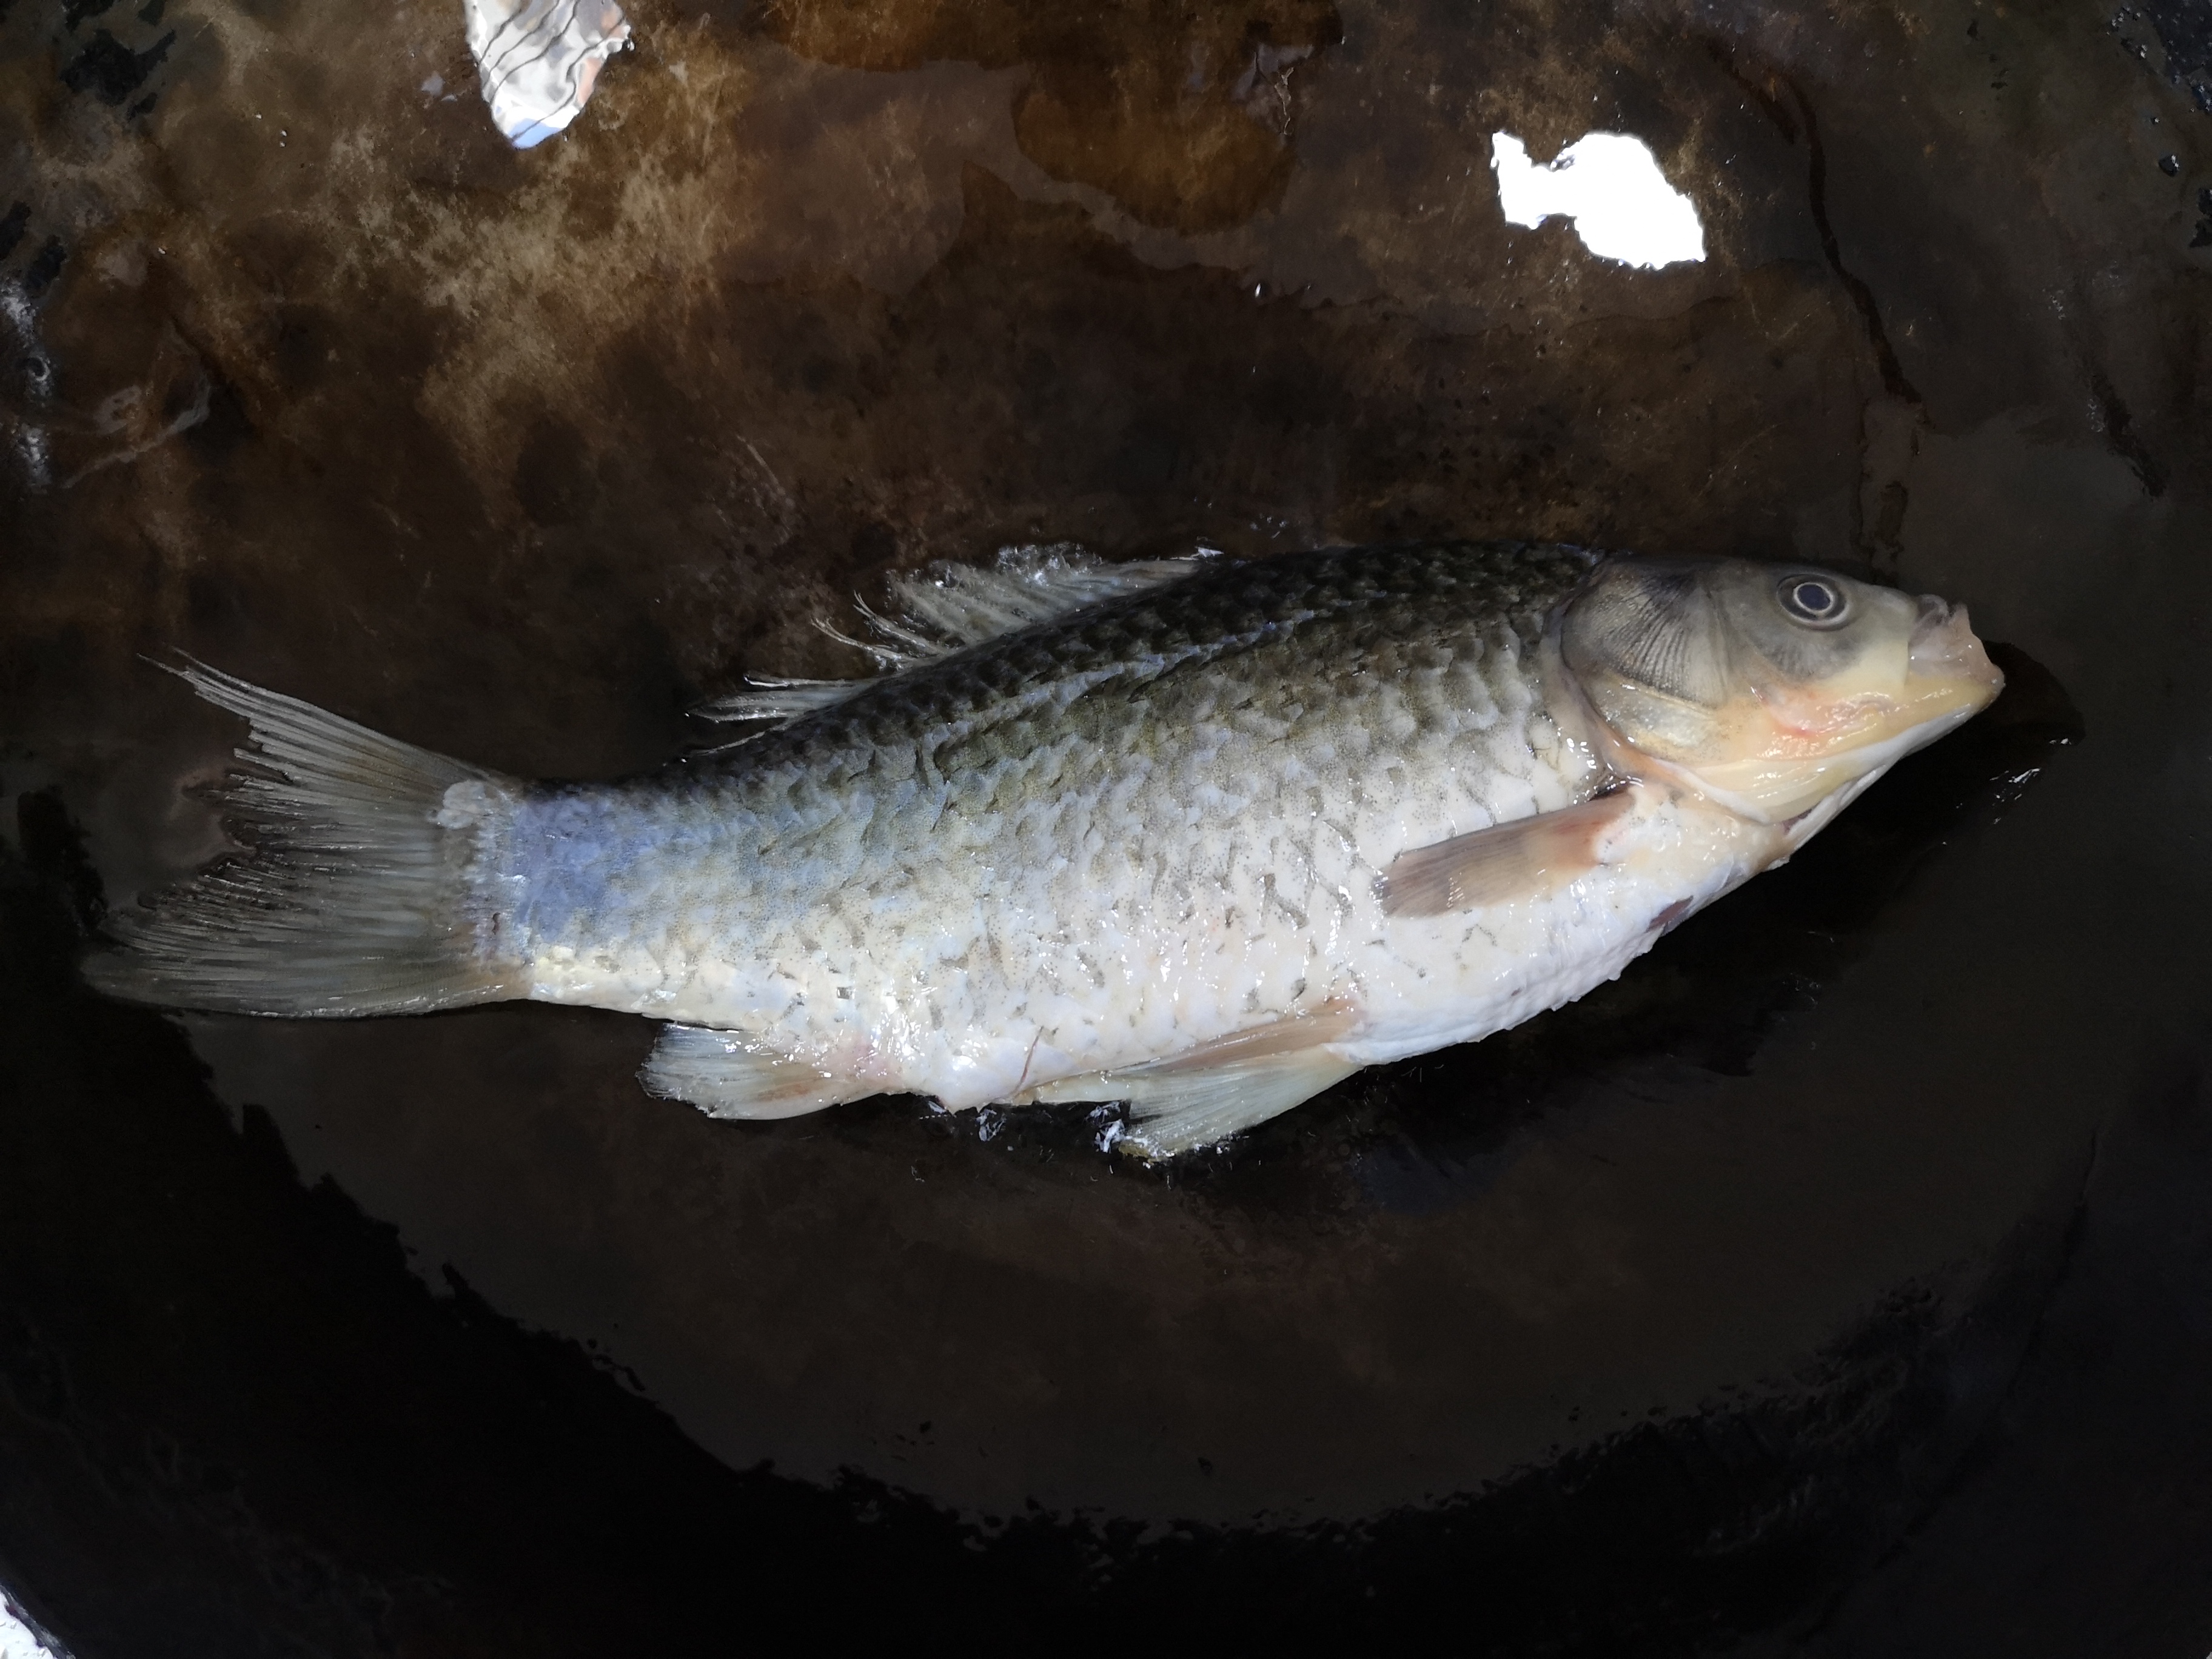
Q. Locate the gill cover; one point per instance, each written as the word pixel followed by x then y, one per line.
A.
pixel 1769 688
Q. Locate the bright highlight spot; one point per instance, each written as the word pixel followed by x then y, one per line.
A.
pixel 19 1639
pixel 538 60
pixel 1609 184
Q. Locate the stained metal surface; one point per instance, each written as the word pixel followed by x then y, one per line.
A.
pixel 1832 1283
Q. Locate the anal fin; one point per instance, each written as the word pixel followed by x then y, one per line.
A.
pixel 715 1072
pixel 1221 1087
pixel 1178 1109
pixel 1507 861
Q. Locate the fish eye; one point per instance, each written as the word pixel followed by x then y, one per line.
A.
pixel 1814 600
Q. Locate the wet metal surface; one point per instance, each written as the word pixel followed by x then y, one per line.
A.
pixel 1834 1282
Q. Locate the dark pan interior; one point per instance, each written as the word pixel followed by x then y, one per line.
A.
pixel 1838 1282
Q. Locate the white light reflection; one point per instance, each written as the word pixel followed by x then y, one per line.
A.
pixel 1609 184
pixel 538 60
pixel 21 1639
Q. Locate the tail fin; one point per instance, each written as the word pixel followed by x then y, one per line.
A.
pixel 367 887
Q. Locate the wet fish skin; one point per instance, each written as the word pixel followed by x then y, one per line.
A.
pixel 1076 849
pixel 1205 837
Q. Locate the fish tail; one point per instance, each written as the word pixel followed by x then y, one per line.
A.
pixel 366 885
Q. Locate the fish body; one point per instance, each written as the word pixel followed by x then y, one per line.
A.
pixel 1205 835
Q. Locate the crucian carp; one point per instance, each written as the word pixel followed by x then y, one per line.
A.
pixel 1205 835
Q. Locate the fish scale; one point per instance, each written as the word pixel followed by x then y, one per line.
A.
pixel 1151 824
pixel 1200 835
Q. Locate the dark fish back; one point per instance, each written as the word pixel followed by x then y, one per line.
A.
pixel 1305 619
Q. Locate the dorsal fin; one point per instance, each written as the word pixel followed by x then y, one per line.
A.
pixel 771 698
pixel 948 608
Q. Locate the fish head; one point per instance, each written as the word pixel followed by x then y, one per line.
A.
pixel 1770 687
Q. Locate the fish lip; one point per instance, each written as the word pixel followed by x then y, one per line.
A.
pixel 1943 647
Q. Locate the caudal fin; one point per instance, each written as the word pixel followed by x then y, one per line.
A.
pixel 366 887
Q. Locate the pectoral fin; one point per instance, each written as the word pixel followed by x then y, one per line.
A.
pixel 1507 861
pixel 718 1074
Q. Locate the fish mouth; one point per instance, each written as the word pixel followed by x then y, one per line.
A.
pixel 1946 659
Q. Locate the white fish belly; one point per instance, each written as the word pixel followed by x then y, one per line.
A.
pixel 1433 981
